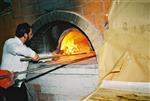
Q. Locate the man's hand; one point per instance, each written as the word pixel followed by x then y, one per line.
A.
pixel 36 57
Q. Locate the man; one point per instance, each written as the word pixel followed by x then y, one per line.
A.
pixel 14 49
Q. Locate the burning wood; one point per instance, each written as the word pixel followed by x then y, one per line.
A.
pixel 74 42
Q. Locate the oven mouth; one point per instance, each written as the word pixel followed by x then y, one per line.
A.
pixel 73 41
pixel 66 40
pixel 73 46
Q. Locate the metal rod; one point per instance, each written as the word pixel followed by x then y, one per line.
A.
pixel 37 76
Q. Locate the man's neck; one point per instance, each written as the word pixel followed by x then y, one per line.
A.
pixel 22 39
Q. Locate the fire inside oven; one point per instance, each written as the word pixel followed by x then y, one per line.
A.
pixel 71 45
pixel 72 41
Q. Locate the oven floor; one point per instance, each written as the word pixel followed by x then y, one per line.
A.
pixel 86 58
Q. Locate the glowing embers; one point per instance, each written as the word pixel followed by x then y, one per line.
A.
pixel 74 48
pixel 74 42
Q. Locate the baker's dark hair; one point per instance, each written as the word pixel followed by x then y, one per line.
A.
pixel 22 29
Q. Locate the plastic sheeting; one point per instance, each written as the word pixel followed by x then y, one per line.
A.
pixel 125 55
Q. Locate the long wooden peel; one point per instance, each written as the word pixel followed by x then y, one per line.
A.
pixel 41 58
pixel 9 78
pixel 48 57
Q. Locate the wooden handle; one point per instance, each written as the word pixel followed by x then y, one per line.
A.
pixel 42 58
pixel 48 57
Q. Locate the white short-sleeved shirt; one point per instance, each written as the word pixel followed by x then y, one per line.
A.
pixel 13 51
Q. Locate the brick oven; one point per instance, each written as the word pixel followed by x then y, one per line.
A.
pixel 80 76
pixel 69 35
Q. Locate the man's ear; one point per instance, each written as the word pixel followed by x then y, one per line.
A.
pixel 25 35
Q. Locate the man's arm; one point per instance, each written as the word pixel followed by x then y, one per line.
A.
pixel 22 50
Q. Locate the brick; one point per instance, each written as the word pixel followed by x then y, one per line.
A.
pixel 99 21
pixel 107 5
pixel 27 10
pixel 16 7
pixel 90 18
pixel 26 2
pixel 29 19
pixel 93 8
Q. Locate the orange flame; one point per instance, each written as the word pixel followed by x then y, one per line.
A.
pixel 74 43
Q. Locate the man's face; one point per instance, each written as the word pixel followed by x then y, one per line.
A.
pixel 30 34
